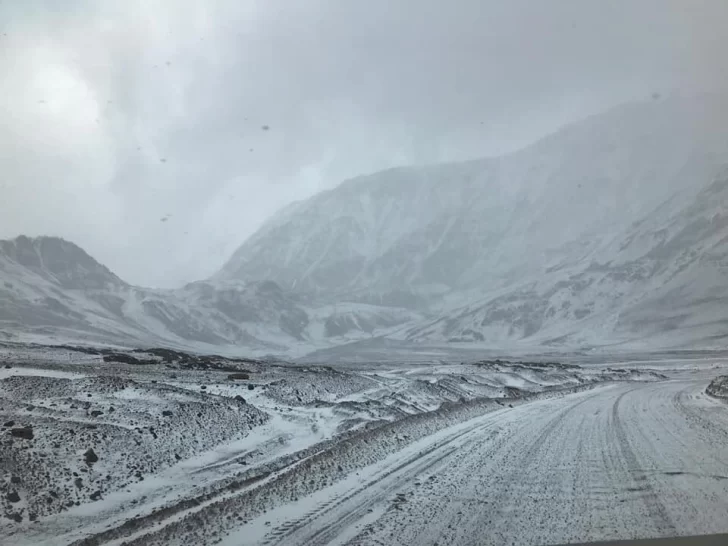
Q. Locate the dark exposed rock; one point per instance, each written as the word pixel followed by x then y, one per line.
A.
pixel 238 376
pixel 13 496
pixel 718 387
pixel 26 433
pixel 96 495
pixel 9 423
pixel 167 413
pixel 96 413
pixel 90 456
pixel 240 399
pixel 127 359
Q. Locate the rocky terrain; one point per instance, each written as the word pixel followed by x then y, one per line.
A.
pixel 71 437
pixel 718 387
pixel 136 432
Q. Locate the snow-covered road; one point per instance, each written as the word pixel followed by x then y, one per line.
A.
pixel 630 460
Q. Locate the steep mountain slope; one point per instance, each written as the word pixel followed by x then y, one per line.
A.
pixel 412 235
pixel 59 262
pixel 663 281
pixel 51 288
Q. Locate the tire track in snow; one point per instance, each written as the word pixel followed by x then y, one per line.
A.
pixel 371 493
pixel 654 506
pixel 620 463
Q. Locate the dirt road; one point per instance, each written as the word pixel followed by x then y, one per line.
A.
pixel 630 460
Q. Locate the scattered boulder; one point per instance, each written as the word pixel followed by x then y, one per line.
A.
pixel 167 413
pixel 96 413
pixel 9 423
pixel 15 479
pixel 718 387
pixel 251 387
pixel 13 496
pixel 96 495
pixel 90 456
pixel 26 433
pixel 240 399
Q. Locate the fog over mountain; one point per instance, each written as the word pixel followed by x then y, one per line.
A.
pixel 610 231
pixel 136 130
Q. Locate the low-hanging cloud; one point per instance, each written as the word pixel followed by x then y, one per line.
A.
pixel 159 134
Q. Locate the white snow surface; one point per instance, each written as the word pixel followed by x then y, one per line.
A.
pixel 168 430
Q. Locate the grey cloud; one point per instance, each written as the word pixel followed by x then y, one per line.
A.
pixel 117 115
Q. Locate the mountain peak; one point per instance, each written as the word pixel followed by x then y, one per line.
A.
pixel 419 231
pixel 59 260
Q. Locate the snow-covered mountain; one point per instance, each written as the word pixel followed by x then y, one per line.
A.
pixel 611 230
pixel 663 281
pixel 52 289
pixel 408 233
pixel 539 245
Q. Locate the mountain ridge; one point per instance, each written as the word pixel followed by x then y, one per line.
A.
pixel 43 297
pixel 577 240
pixel 343 240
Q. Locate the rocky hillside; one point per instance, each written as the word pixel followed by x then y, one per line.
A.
pixel 411 235
pixel 663 280
pixel 608 231
pixel 50 288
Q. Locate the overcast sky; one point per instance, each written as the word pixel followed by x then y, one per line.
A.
pixel 137 128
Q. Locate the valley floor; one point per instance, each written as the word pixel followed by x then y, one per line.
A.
pixel 490 452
